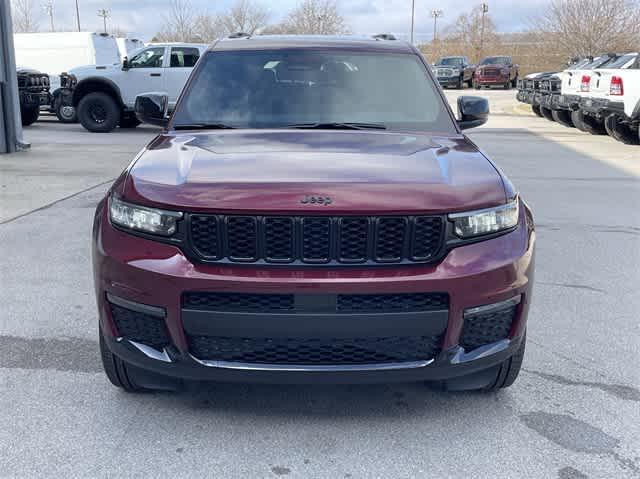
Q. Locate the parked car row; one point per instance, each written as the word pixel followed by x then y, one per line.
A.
pixel 598 95
pixel 456 71
pixel 33 91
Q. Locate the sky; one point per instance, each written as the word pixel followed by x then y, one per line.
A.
pixel 142 18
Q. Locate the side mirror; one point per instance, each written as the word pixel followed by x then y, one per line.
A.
pixel 153 108
pixel 473 111
pixel 125 63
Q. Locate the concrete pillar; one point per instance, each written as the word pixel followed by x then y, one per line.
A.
pixel 10 126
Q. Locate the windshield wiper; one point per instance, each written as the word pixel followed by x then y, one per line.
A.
pixel 203 126
pixel 338 126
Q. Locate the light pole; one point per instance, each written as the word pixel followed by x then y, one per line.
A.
pixel 48 8
pixel 78 15
pixel 104 13
pixel 413 18
pixel 435 14
pixel 485 10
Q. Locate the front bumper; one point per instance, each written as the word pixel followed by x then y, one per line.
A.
pixel 525 96
pixel 449 81
pixel 492 80
pixel 28 98
pixel 150 273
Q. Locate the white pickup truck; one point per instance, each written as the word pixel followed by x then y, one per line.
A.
pixel 104 95
pixel 612 102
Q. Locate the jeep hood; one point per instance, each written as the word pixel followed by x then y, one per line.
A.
pixel 273 170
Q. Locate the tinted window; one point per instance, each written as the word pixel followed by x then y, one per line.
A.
pixel 149 58
pixel 262 89
pixel 184 57
pixel 496 61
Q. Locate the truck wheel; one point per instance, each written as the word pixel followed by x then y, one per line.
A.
pixel 476 85
pixel 620 131
pixel 591 125
pixel 509 369
pixel 489 380
pixel 29 114
pixel 576 119
pixel 514 82
pixel 98 112
pixel 563 117
pixel 130 378
pixel 65 113
pixel 547 113
pixel 507 86
pixel 536 110
pixel 460 84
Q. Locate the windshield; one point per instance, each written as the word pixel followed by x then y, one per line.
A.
pixel 280 88
pixel 450 61
pixel 496 61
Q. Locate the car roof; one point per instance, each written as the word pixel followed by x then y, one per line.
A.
pixel 264 42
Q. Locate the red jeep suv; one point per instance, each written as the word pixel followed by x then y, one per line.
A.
pixel 311 211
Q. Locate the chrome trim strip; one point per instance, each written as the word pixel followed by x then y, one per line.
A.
pixel 462 356
pixel 312 367
pixel 138 307
pixel 470 312
pixel 151 352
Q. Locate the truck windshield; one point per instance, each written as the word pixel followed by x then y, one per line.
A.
pixel 450 61
pixel 293 87
pixel 496 61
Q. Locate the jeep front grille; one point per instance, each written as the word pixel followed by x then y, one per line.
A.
pixel 315 240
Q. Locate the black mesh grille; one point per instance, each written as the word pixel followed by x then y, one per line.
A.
pixel 140 327
pixel 393 302
pixel 427 236
pixel 238 302
pixel 487 328
pixel 353 239
pixel 390 240
pixel 341 303
pixel 330 351
pixel 204 235
pixel 316 244
pixel 316 240
pixel 242 235
pixel 278 239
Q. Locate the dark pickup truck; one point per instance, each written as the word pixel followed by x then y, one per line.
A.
pixel 33 88
pixel 496 71
pixel 454 71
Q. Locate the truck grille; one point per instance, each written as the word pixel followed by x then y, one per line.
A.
pixel 326 351
pixel 316 240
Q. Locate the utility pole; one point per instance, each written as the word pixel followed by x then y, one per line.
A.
pixel 104 13
pixel 48 9
pixel 78 15
pixel 485 10
pixel 413 18
pixel 435 14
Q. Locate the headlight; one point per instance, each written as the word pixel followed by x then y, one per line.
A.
pixel 482 222
pixel 142 218
pixel 455 71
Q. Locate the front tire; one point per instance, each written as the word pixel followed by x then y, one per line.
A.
pixel 547 113
pixel 98 112
pixel 536 110
pixel 509 369
pixel 590 124
pixel 576 119
pixel 116 369
pixel 65 113
pixel 29 114
pixel 563 117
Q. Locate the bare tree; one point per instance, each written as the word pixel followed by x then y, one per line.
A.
pixel 179 24
pixel 23 18
pixel 314 17
pixel 589 27
pixel 207 28
pixel 244 16
pixel 474 33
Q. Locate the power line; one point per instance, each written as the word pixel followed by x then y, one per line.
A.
pixel 48 9
pixel 435 14
pixel 104 13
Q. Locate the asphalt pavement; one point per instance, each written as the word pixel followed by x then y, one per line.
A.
pixel 574 412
